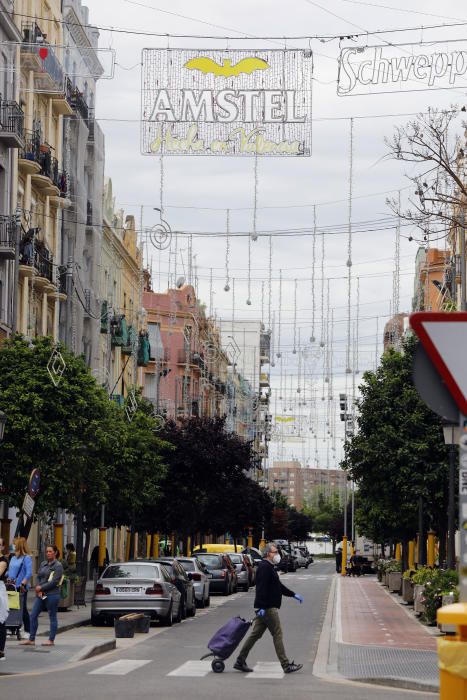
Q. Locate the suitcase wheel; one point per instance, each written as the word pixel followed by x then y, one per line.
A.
pixel 217 666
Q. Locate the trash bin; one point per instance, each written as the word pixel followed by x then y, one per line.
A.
pixel 452 653
pixel 142 624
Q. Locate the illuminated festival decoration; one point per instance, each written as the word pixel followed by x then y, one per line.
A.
pixel 230 102
pixel 367 70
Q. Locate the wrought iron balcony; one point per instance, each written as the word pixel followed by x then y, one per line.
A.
pixel 91 120
pixel 31 148
pixel 7 237
pixel 35 254
pixel 89 213
pixel 39 56
pixel 11 124
pixel 77 101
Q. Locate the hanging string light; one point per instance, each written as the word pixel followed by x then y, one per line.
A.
pixel 233 306
pixel 322 342
pixel 278 353
pixel 349 253
pixel 294 351
pixel 273 332
pixel 270 282
pixel 357 328
pixel 313 297
pixel 227 252
pixel 254 235
pixel 248 301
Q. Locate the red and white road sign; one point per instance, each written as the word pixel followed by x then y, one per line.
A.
pixel 444 337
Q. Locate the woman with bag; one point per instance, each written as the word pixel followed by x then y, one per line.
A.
pixel 49 580
pixel 19 573
pixel 3 600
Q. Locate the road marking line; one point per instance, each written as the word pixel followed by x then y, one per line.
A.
pixel 192 669
pixel 120 668
pixel 266 669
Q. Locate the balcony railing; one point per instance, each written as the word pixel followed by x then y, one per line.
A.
pixel 77 101
pixel 7 237
pixel 50 76
pixel 11 123
pixel 35 254
pixel 91 118
pixel 31 148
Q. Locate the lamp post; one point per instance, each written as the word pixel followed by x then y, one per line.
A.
pixel 451 437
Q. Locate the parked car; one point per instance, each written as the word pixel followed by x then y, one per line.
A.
pixel 183 583
pixel 198 573
pixel 288 562
pixel 302 561
pixel 241 564
pixel 307 555
pixel 251 569
pixel 254 553
pixel 223 574
pixel 128 587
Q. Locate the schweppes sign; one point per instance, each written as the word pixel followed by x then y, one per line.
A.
pixel 226 102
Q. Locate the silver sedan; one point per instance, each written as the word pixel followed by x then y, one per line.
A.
pixel 197 572
pixel 136 586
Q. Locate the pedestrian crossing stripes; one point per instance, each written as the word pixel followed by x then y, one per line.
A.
pixel 120 668
pixel 199 669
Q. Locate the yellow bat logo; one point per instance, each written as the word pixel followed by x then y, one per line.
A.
pixel 227 70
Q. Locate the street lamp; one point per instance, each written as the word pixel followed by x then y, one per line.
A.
pixel 2 424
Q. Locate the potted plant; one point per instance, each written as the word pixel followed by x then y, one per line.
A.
pixel 442 583
pixel 394 576
pixel 420 579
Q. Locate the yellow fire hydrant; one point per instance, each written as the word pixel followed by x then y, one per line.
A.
pixel 452 653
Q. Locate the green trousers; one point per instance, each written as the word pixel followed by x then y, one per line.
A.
pixel 270 621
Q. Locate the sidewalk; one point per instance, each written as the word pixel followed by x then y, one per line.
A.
pixel 375 639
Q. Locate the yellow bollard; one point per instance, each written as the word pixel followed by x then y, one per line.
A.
pixel 148 545
pixel 398 555
pixel 431 549
pixel 452 653
pixel 344 556
pixel 155 545
pixel 411 557
pixel 58 538
pixel 262 544
pixel 127 544
pixel 102 543
pixel 188 546
pixel 172 546
pixel 227 540
pixel 250 538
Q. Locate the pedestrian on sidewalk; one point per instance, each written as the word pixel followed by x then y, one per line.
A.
pixel 49 580
pixel 268 599
pixel 3 600
pixel 338 561
pixel 19 574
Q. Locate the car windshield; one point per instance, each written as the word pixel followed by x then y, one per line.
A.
pixel 132 571
pixel 187 565
pixel 213 561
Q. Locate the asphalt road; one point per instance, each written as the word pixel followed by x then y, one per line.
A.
pixel 167 666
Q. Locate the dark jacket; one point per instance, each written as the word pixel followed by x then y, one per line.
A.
pixel 269 589
pixel 49 576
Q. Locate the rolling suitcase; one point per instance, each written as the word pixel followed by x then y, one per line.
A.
pixel 14 621
pixel 225 641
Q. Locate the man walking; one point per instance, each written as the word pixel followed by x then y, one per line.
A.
pixel 268 598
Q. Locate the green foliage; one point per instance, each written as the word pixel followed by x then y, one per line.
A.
pixel 397 454
pixel 440 583
pixel 327 515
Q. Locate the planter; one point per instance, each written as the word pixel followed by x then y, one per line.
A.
pixel 419 606
pixel 394 581
pixel 124 629
pixel 385 579
pixel 142 624
pixel 448 629
pixel 407 590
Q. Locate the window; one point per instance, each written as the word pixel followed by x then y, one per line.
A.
pixel 155 341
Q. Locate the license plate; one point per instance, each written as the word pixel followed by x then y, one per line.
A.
pixel 127 589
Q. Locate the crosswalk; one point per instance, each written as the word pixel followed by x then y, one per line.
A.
pixel 190 669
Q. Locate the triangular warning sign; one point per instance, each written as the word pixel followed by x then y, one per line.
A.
pixel 444 337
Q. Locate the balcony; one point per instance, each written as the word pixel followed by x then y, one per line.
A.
pixel 7 237
pixel 119 331
pixel 63 103
pixel 11 124
pixel 78 102
pixel 185 357
pixel 91 121
pixel 131 343
pixel 264 379
pixel 36 261
pixel 38 56
pixel 29 154
pixel 89 213
pixel 144 350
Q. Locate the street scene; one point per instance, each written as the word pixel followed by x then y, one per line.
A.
pixel 233 322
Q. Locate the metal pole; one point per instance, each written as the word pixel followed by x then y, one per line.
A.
pixel 421 535
pixel 158 381
pixel 14 311
pixel 69 304
pixel 452 504
pixel 353 514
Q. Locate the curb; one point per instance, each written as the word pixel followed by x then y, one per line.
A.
pixel 400 684
pixel 67 628
pixel 93 650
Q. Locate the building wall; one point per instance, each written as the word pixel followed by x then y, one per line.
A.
pixel 430 289
pixel 9 84
pixel 301 484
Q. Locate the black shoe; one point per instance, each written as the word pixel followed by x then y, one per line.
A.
pixel 292 667
pixel 241 665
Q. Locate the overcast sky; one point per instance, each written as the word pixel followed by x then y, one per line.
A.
pixel 198 190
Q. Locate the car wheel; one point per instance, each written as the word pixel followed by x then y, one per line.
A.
pixel 183 608
pixel 97 620
pixel 226 590
pixel 201 603
pixel 208 601
pixel 168 620
pixel 192 612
